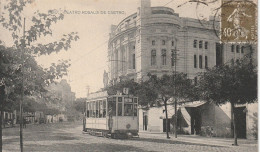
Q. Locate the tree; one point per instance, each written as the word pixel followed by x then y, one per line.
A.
pixel 168 87
pixel 234 83
pixel 18 61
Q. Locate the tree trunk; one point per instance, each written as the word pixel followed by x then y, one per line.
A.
pixel 2 101
pixel 1 123
pixel 234 123
pixel 166 115
pixel 175 118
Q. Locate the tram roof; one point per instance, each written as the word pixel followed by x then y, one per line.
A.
pixel 104 94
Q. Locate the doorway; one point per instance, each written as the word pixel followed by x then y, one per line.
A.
pixel 240 117
pixel 145 121
pixel 219 54
pixel 168 125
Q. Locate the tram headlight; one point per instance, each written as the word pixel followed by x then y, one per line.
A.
pixel 128 126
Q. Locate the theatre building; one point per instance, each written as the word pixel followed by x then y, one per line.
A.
pixel 145 42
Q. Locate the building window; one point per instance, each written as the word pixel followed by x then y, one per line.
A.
pixel 153 42
pixel 206 62
pixel 163 42
pixel 232 48
pixel 172 57
pixel 206 45
pixel 195 61
pixel 200 61
pixel 232 62
pixel 195 43
pixel 237 48
pixel 200 44
pixel 133 61
pixel 195 80
pixel 133 47
pixel 163 57
pixel 153 57
pixel 242 49
pixel 172 43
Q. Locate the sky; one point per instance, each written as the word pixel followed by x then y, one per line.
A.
pixel 88 55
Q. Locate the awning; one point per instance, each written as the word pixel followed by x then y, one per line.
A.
pixel 194 104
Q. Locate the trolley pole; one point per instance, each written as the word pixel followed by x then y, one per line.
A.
pixel 22 96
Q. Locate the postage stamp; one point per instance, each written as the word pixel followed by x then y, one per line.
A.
pixel 238 21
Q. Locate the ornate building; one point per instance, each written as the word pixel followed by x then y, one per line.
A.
pixel 146 42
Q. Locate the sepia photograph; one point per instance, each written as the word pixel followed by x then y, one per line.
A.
pixel 128 75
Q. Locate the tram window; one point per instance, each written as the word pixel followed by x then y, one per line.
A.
pixel 135 109
pixel 112 107
pixel 128 108
pixel 119 99
pixel 87 109
pixel 119 106
pixel 97 109
pixel 128 100
pixel 100 109
pixel 90 109
pixel 104 108
pixel 94 109
pixel 135 100
pixel 119 109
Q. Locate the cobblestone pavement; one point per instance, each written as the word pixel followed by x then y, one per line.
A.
pixel 68 137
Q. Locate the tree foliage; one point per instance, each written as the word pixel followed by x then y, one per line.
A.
pixel 234 83
pixel 17 62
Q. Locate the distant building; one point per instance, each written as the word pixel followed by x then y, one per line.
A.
pixel 145 42
pixel 62 93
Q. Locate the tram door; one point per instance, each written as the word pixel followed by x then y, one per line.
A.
pixel 111 111
pixel 145 121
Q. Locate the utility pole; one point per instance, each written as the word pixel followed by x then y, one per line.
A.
pixel 22 96
pixel 175 98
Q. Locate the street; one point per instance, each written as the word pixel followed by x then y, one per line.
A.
pixel 69 137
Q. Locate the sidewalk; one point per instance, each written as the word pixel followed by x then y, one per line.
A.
pixel 195 139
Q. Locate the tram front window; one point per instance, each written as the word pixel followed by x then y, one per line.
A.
pixel 128 109
pixel 135 109
pixel 112 106
pixel 120 106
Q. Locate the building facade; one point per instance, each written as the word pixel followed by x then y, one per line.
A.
pixel 147 41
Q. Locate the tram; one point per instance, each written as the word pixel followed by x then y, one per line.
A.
pixel 114 116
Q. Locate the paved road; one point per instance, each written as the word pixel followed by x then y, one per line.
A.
pixel 68 137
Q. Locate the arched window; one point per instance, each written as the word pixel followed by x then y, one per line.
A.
pixel 238 48
pixel 206 62
pixel 232 48
pixel 172 57
pixel 133 61
pixel 232 62
pixel 200 44
pixel 195 43
pixel 242 49
pixel 200 61
pixel 153 42
pixel 195 61
pixel 163 57
pixel 163 42
pixel 153 57
pixel 206 45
